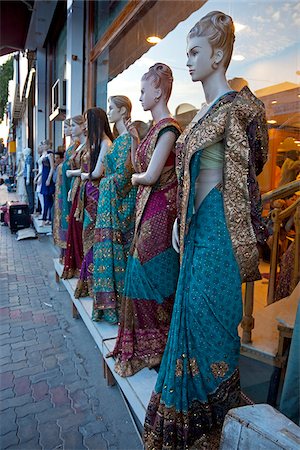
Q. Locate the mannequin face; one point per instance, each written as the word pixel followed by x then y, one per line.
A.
pixel 76 130
pixel 148 94
pixel 67 130
pixel 200 58
pixel 40 149
pixel 114 113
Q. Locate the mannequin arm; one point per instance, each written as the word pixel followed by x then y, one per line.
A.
pixel 159 158
pixel 134 146
pixel 48 181
pixel 27 173
pixel 73 173
pixel 99 168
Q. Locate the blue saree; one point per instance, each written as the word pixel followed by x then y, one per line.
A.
pixel 198 380
pixel 114 230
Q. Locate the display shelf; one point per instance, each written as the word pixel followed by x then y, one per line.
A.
pixel 136 389
pixel 38 225
pixel 265 335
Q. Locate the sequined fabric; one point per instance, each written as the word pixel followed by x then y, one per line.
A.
pixel 238 119
pixel 198 380
pixel 152 267
pixel 62 206
pixel 113 231
pixel 74 250
pixel 85 283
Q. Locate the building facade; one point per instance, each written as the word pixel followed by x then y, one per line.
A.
pixel 78 53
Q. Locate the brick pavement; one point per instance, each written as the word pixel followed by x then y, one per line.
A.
pixel 52 392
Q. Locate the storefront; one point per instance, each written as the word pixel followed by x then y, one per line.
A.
pixel 265 58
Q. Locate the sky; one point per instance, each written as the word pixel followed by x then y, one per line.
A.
pixel 268 41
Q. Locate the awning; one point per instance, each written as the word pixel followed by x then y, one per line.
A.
pixel 15 20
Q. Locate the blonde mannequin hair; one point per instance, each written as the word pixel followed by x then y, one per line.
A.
pixel 122 101
pixel 67 122
pixel 219 30
pixel 162 78
pixel 81 121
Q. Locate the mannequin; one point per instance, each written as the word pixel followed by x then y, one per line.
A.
pixel 38 180
pixel 115 217
pixel 62 186
pixel 28 178
pixel 47 185
pixel 74 250
pixel 99 140
pixel 21 189
pixel 152 267
pixel 218 157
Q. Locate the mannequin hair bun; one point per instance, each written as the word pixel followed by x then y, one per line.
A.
pixel 162 78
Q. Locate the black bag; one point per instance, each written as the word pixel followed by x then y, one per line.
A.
pixel 18 216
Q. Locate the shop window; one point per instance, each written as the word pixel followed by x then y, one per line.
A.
pixel 265 58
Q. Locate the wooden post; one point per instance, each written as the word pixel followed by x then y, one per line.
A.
pixel 248 319
pixel 75 313
pixel 274 256
pixel 296 274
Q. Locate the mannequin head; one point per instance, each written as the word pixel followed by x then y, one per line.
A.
pixel 210 45
pixel 119 108
pixel 40 150
pixel 156 86
pixel 78 126
pixel 45 145
pixel 26 152
pixel 67 127
pixel 97 128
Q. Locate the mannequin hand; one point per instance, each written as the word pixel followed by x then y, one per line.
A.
pixel 48 182
pixel 84 176
pixel 132 130
pixel 27 182
pixel 175 236
pixel 134 179
pixel 69 195
pixel 68 173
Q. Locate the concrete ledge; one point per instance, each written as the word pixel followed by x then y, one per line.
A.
pixel 259 427
pixel 138 388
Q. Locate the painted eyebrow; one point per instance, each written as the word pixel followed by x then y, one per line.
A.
pixel 191 49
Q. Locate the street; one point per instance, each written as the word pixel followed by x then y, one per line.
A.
pixel 52 391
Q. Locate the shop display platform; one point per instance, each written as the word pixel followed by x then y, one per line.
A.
pixel 136 389
pixel 38 225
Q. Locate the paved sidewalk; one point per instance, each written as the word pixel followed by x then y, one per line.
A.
pixel 52 391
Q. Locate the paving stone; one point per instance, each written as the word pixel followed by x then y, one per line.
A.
pixel 49 435
pixel 31 370
pixel 8 440
pixel 8 421
pixel 23 343
pixel 95 427
pixel 79 400
pixel 22 385
pixel 29 335
pixel 5 350
pixel 73 439
pixel 33 408
pixel 33 444
pixel 27 429
pixel 13 366
pixel 59 396
pixel 40 390
pixel 73 420
pixel 5 360
pixel 6 380
pixel 50 362
pixel 6 393
pixel 54 413
pixel 96 442
pixel 18 355
pixel 15 401
pixel 46 375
